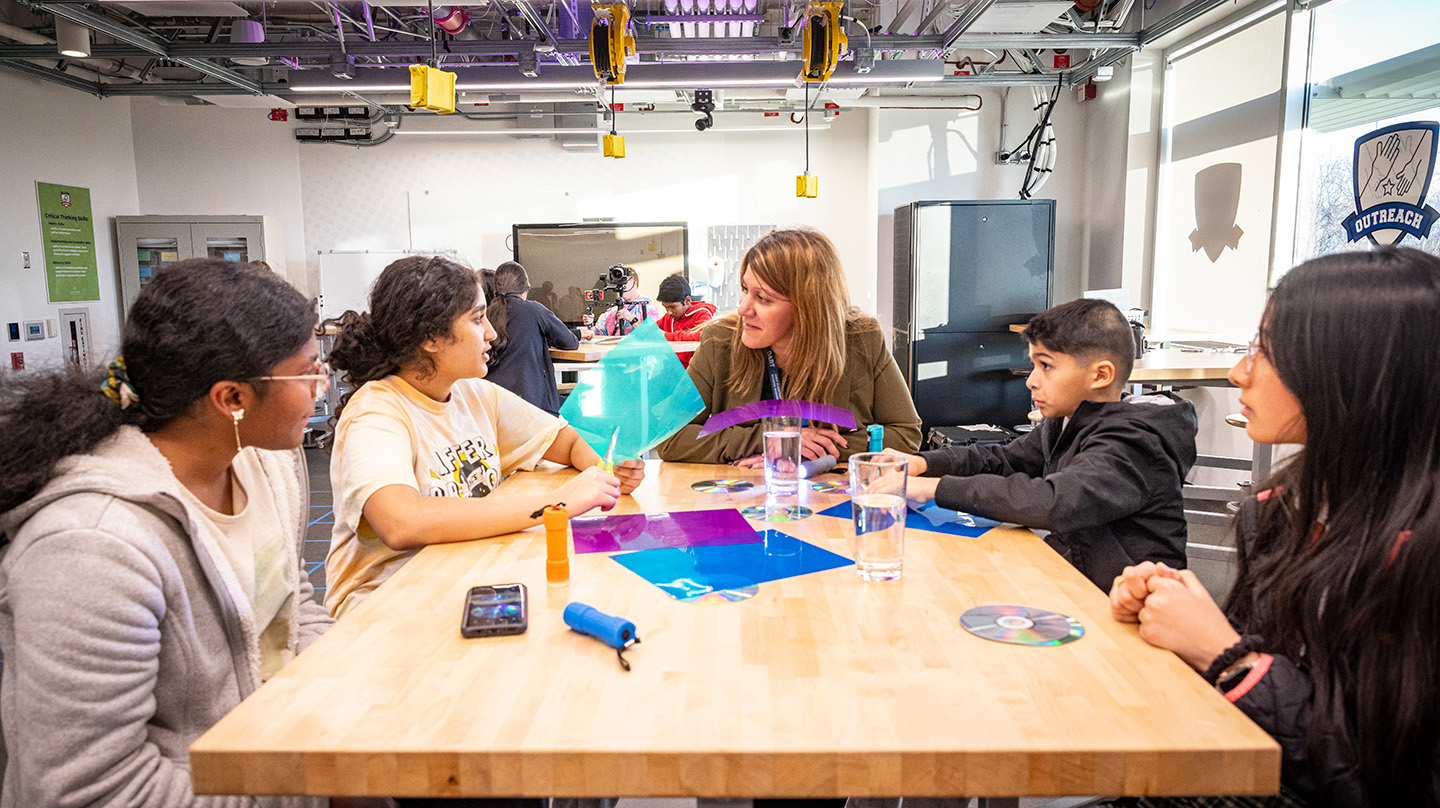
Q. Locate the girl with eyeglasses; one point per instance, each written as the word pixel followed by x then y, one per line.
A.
pixel 1328 639
pixel 424 439
pixel 152 516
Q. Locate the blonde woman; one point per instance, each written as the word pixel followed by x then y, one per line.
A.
pixel 795 336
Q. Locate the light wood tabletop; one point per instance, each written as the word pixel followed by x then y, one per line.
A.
pixel 1172 365
pixel 821 685
pixel 590 352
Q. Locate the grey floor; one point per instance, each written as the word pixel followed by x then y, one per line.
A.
pixel 322 519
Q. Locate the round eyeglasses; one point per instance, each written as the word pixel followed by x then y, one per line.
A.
pixel 320 380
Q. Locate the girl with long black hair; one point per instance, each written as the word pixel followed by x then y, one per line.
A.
pixel 152 515
pixel 1329 637
pixel 424 439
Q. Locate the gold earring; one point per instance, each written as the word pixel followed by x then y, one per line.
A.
pixel 238 415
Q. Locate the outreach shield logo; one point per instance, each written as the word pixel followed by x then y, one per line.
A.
pixel 1393 168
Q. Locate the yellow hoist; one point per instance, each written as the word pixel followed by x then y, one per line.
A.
pixel 824 40
pixel 611 40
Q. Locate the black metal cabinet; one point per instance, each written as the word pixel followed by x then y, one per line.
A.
pixel 965 271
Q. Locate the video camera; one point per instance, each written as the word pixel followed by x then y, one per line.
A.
pixel 613 280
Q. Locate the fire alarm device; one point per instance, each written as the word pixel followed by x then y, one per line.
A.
pixel 280 114
pixel 17 360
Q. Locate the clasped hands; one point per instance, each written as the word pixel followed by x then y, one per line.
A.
pixel 1174 611
pixel 814 441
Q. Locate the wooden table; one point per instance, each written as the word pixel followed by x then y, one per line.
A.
pixel 821 685
pixel 1194 368
pixel 590 352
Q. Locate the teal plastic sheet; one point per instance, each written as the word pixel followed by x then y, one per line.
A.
pixel 640 389
pixel 694 571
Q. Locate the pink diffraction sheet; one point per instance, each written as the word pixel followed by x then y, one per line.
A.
pixel 649 531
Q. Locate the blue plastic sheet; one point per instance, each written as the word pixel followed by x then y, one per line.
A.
pixel 639 388
pixel 695 571
pixel 930 517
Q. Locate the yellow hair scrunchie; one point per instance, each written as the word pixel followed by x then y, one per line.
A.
pixel 117 387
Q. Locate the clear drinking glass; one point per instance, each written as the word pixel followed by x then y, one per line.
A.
pixel 877 501
pixel 781 449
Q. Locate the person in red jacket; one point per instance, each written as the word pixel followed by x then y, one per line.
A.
pixel 684 318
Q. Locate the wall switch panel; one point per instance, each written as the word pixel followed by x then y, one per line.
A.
pixel 13 329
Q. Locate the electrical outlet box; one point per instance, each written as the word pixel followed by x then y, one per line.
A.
pixel 24 259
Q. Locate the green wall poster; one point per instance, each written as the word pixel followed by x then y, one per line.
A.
pixel 71 273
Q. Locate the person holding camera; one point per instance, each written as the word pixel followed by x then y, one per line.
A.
pixel 629 311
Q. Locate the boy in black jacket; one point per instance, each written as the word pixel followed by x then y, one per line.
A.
pixel 1102 473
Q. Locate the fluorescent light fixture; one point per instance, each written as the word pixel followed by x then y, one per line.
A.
pixel 645 75
pixel 71 38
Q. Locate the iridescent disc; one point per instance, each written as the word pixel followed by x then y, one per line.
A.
pixel 722 486
pixel 788 513
pixel 724 595
pixel 1021 625
pixel 830 487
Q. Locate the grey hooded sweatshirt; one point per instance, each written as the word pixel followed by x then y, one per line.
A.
pixel 125 633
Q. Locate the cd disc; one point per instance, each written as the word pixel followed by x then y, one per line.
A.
pixel 1021 625
pixel 830 487
pixel 789 513
pixel 724 595
pixel 722 486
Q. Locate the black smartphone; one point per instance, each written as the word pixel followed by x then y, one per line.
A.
pixel 494 610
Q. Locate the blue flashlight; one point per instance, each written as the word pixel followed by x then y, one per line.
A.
pixel 616 632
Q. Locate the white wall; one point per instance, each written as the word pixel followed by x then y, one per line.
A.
pixel 925 154
pixel 52 134
pixel 463 192
pixel 217 161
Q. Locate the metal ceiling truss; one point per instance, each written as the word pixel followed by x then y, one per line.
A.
pixel 135 40
pixel 146 42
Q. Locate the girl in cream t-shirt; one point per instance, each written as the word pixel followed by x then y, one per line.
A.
pixel 392 434
pixel 423 442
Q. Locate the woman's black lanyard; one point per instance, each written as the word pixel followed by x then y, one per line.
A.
pixel 773 370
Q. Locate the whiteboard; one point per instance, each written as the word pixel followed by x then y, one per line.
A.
pixel 346 277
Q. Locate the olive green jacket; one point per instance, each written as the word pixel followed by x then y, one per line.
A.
pixel 872 388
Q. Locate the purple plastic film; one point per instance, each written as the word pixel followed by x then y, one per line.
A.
pixel 756 410
pixel 649 531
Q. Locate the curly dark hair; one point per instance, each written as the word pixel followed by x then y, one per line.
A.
pixel 198 322
pixel 413 301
